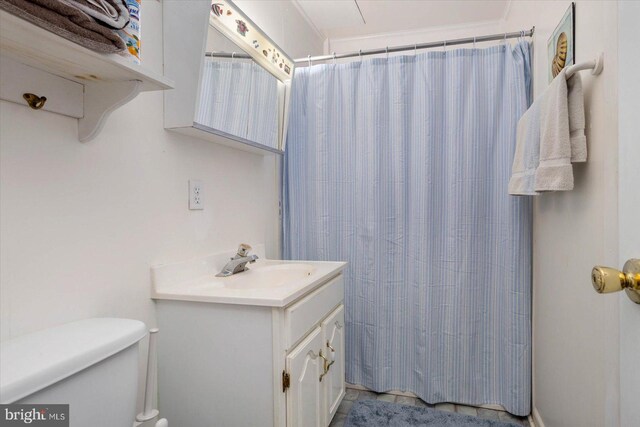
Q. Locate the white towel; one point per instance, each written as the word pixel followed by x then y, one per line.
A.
pixel 527 155
pixel 550 137
pixel 555 173
pixel 576 119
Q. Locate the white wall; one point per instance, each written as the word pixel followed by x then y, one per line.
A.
pixel 81 224
pixel 576 330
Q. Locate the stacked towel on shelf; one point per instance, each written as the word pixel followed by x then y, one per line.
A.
pixel 550 138
pixel 112 13
pixel 68 21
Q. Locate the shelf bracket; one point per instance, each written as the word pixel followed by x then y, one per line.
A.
pixel 100 99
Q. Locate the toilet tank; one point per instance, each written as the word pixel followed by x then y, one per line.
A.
pixel 91 364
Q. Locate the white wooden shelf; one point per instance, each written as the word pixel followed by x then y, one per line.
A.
pixel 109 81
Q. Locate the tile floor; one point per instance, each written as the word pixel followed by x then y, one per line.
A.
pixel 352 395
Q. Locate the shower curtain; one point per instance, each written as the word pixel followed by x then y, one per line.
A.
pixel 400 166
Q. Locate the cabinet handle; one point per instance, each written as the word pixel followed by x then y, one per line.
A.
pixel 326 370
pixel 333 359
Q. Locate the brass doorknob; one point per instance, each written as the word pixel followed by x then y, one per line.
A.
pixel 606 279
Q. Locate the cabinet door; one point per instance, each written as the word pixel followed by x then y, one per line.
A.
pixel 304 396
pixel 333 348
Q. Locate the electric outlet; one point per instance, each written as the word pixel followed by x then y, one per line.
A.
pixel 196 200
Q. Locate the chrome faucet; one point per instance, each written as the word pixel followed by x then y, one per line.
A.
pixel 238 263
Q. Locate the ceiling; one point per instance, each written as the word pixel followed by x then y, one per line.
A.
pixel 351 18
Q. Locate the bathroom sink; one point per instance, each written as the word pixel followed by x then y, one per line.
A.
pixel 267 282
pixel 261 276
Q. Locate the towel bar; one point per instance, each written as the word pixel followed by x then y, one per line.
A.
pixel 595 66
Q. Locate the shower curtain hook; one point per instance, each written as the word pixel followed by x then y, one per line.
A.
pixel 444 46
pixel 334 58
pixel 474 42
pixel 387 49
pixel 415 49
pixel 505 38
pixel 309 60
pixel 360 54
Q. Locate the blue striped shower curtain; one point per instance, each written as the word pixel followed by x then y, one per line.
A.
pixel 400 166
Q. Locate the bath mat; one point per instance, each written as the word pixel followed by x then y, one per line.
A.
pixel 377 413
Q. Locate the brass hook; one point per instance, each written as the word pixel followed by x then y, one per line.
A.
pixel 34 101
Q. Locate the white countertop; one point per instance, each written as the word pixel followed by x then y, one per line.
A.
pixel 272 283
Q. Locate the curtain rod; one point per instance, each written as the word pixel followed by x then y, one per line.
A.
pixel 443 43
pixel 227 55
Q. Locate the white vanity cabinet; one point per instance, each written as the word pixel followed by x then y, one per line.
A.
pixel 333 340
pixel 314 368
pixel 317 383
pixel 234 364
pixel 305 397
